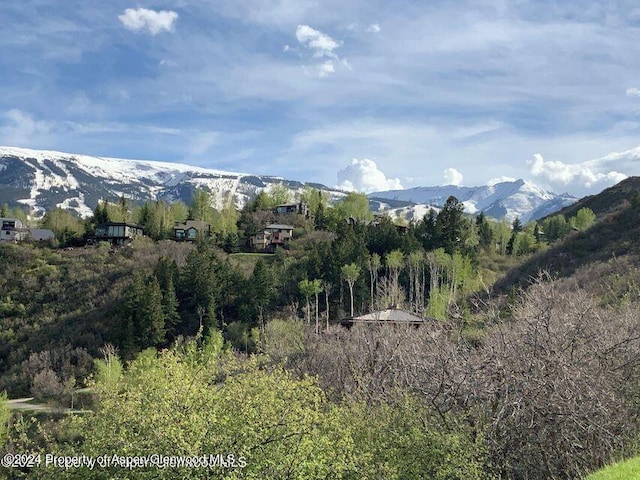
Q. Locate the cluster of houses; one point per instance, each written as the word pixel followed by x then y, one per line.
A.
pixel 267 240
pixel 14 231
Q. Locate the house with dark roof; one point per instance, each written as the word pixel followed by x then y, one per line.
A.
pixel 117 233
pixel 299 208
pixel 390 316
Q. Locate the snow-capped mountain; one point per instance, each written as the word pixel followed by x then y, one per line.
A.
pixel 45 179
pixel 502 200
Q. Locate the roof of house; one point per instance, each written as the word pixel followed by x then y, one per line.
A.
pixel 391 315
pixel 198 224
pixel 278 226
pixel 120 224
pixel 288 205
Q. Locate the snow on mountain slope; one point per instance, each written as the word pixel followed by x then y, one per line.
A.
pixel 48 179
pixel 502 200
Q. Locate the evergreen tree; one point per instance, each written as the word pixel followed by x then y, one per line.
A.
pixel 101 214
pixel 170 304
pixel 123 209
pixel 485 232
pixel 516 226
pixel 262 290
pixel 427 230
pixel 151 315
pixel 451 225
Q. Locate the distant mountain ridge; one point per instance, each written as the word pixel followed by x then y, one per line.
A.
pixel 508 200
pixel 47 179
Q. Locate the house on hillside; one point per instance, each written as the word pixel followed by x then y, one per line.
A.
pixel 272 236
pixel 12 230
pixel 378 219
pixel 299 208
pixel 279 234
pixel 390 316
pixel 117 233
pixel 260 241
pixel 190 230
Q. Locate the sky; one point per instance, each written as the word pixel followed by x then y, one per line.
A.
pixel 366 95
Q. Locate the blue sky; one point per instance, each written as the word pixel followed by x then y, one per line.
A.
pixel 365 94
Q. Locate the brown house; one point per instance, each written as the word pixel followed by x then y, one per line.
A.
pixel 280 234
pixel 272 236
pixel 190 230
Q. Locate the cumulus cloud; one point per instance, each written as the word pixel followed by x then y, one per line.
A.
pixel 452 177
pixel 633 92
pixel 151 21
pixel 364 176
pixel 581 177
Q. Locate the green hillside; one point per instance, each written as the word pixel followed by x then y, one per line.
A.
pixel 608 201
pixel 614 236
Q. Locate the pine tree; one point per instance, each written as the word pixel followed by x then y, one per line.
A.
pixel 151 315
pixel 516 225
pixel 123 208
pixel 485 232
pixel 450 225
pixel 170 304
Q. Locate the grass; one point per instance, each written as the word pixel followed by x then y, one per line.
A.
pixel 627 470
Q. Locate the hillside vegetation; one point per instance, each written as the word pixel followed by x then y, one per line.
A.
pixel 614 236
pixel 188 349
pixel 608 201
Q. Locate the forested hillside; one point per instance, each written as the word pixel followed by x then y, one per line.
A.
pixel 206 347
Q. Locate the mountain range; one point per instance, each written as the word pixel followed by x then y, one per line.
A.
pixel 44 180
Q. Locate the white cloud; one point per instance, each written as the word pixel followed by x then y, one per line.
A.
pixel 364 176
pixel 495 181
pixel 322 46
pixel 326 68
pixel 21 129
pixel 320 43
pixel 151 21
pixel 633 92
pixel 373 28
pixel 579 177
pixel 452 177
